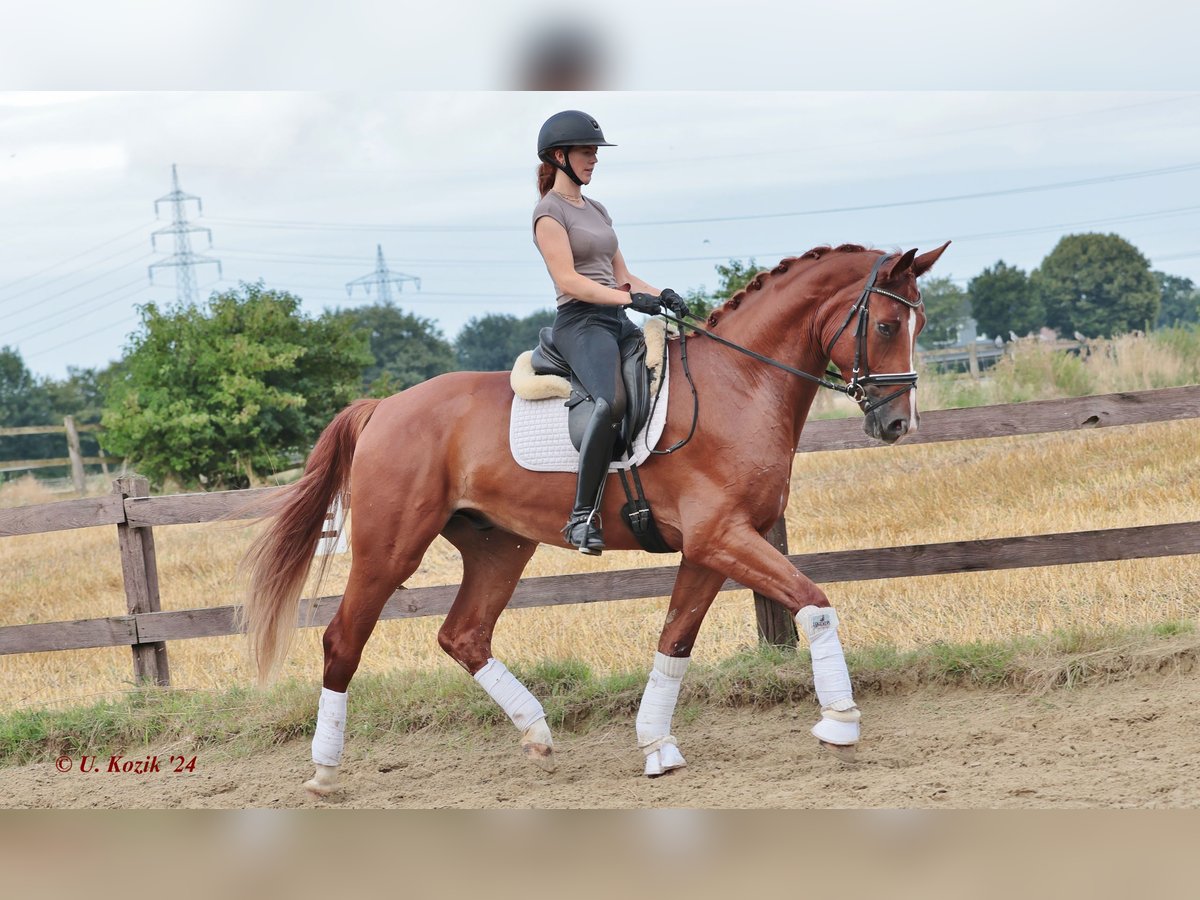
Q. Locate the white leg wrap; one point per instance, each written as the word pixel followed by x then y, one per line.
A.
pixel 512 696
pixel 839 715
pixel 331 728
pixel 654 714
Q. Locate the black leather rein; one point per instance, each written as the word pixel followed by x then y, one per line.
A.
pixel 860 375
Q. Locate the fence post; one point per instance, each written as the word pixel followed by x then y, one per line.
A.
pixel 140 571
pixel 76 456
pixel 775 624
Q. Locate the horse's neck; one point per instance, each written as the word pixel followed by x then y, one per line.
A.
pixel 781 323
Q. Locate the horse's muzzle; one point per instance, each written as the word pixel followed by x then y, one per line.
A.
pixel 886 426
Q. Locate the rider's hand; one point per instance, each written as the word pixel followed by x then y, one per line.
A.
pixel 645 303
pixel 676 304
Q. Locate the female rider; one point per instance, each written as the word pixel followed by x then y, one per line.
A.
pixel 576 239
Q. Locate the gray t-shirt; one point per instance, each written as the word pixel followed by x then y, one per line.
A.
pixel 589 229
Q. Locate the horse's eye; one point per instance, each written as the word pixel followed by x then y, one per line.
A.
pixel 886 329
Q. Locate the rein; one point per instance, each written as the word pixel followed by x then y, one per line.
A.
pixel 860 375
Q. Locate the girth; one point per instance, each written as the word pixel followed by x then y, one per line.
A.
pixel 635 378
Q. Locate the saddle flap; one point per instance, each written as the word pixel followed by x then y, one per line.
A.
pixel 635 378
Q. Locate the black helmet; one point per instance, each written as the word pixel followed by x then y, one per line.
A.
pixel 570 128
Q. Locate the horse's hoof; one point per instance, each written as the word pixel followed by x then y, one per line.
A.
pixel 323 783
pixel 664 761
pixel 846 753
pixel 541 755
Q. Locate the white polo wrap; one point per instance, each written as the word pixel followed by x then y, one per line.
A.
pixel 658 702
pixel 831 678
pixel 514 698
pixel 331 728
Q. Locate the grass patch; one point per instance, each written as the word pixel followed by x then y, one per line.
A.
pixel 242 720
pixel 974 663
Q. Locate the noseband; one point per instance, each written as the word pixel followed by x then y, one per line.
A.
pixel 860 376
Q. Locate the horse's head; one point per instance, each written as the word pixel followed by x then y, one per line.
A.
pixel 869 331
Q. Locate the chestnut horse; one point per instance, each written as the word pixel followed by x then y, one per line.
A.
pixel 434 460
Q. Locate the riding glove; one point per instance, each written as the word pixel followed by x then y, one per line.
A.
pixel 676 304
pixel 645 303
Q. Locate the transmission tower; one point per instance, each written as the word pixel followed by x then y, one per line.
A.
pixel 382 278
pixel 184 259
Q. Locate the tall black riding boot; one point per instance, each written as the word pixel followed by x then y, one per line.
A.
pixel 583 529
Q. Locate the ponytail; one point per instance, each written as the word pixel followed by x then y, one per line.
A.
pixel 545 178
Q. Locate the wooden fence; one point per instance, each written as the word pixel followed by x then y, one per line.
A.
pixel 75 458
pixel 146 627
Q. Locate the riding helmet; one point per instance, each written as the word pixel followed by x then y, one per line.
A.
pixel 569 128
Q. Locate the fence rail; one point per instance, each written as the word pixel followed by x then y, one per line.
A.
pixel 146 628
pixel 76 460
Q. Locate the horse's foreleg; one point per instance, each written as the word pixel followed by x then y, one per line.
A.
pixel 695 588
pixel 741 553
pixel 493 561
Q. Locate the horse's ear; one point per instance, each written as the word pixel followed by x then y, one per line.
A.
pixel 925 261
pixel 900 266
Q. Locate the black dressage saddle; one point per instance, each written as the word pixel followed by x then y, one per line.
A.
pixel 635 379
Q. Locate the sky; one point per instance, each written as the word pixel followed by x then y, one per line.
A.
pixel 300 186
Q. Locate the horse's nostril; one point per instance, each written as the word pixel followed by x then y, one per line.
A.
pixel 898 426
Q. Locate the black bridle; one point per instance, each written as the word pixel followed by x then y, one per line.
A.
pixel 860 375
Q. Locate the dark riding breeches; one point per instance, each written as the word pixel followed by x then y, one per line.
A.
pixel 588 336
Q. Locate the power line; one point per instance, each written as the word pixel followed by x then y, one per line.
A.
pixel 77 339
pixel 321 259
pixel 82 283
pixel 81 269
pixel 77 308
pixel 143 227
pixel 977 195
pixel 1028 189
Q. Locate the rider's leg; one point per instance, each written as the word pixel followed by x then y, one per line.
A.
pixel 586 336
pixel 583 529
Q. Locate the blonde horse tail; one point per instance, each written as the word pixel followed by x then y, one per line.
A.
pixel 279 560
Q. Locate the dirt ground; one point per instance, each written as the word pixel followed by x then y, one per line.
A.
pixel 1131 743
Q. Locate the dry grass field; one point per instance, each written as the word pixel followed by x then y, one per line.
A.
pixel 1137 475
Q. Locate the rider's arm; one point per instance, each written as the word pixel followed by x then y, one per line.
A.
pixel 624 276
pixel 555 247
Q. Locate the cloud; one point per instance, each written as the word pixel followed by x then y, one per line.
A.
pixel 56 160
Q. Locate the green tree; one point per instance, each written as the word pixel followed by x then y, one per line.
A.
pixel 25 401
pixel 80 394
pixel 1002 301
pixel 1179 300
pixel 731 278
pixel 240 385
pixel 947 307
pixel 493 342
pixel 1096 284
pixel 407 349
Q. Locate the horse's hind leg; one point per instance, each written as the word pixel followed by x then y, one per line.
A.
pixel 382 562
pixel 493 561
pixel 695 588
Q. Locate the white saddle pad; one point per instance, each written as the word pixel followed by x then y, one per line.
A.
pixel 540 442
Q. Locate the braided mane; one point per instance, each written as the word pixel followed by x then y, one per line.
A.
pixel 765 275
